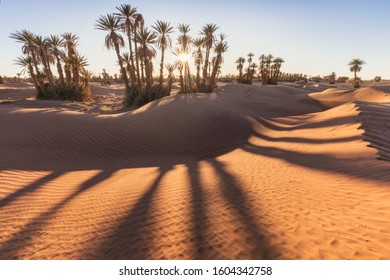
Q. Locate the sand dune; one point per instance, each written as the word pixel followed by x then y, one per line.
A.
pixel 249 172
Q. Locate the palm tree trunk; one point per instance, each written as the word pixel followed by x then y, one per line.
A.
pixel 215 70
pixel 198 75
pixel 136 55
pixel 48 72
pixel 68 73
pixel 76 78
pixel 59 69
pixel 123 70
pixel 33 77
pixel 162 66
pixel 181 80
pixel 142 62
pixel 132 71
pixel 206 65
pixel 355 83
pixel 147 73
pixel 170 82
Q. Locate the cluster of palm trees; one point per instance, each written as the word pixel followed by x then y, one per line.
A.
pixel 268 69
pixel 136 64
pixel 40 53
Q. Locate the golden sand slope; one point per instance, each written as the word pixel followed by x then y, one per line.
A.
pixel 247 173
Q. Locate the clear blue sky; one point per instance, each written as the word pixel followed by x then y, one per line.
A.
pixel 313 37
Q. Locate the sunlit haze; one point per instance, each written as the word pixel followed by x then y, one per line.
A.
pixel 313 37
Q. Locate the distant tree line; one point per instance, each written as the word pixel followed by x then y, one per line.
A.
pixel 268 70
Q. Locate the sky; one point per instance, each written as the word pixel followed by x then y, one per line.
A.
pixel 313 37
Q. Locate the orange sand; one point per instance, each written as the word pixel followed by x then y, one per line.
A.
pixel 249 172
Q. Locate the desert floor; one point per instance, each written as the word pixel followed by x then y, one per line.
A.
pixel 248 172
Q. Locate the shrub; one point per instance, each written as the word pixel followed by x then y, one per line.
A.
pixel 205 88
pixel 1 80
pixel 64 92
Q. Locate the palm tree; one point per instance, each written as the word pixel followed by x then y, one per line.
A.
pixel 70 43
pixel 26 62
pixel 45 57
pixel 54 43
pixel 86 76
pixel 252 70
pixel 240 65
pixel 29 47
pixel 219 48
pixel 268 63
pixel 170 68
pixel 126 58
pixel 332 78
pixel 276 66
pixel 198 44
pixel 77 62
pixel 127 15
pixel 356 66
pixel 208 32
pixel 263 69
pixel 112 25
pixel 182 53
pixel 146 38
pixel 163 30
pixel 180 62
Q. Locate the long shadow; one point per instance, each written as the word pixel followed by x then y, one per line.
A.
pixel 29 188
pixel 199 218
pixel 237 199
pixel 10 249
pixel 132 238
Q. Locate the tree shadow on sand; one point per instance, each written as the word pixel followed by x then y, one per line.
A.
pixel 133 237
pixel 23 238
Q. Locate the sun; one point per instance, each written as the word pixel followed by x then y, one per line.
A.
pixel 183 57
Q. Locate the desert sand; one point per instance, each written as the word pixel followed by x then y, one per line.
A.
pixel 248 172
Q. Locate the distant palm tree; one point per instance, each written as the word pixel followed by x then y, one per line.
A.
pixel 276 66
pixel 112 25
pixel 55 43
pixel 263 69
pixel 240 65
pixel 127 15
pixel 163 29
pixel 356 66
pixel 86 77
pixel 332 78
pixel 249 60
pixel 208 33
pixel 252 70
